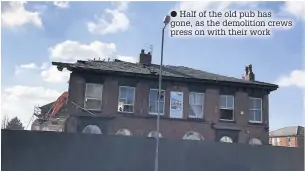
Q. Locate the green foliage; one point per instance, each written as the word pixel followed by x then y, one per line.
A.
pixel 14 124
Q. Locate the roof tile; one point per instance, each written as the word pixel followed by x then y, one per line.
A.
pixel 168 70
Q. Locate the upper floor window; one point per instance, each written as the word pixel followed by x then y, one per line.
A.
pixel 196 101
pixel 93 96
pixel 126 99
pixel 226 106
pixel 255 110
pixel 153 101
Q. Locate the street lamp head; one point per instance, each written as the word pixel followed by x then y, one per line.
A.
pixel 167 19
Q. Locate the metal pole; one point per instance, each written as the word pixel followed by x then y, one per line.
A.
pixel 158 105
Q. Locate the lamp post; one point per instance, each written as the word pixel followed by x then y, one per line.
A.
pixel 165 21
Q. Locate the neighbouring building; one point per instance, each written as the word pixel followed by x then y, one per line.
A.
pixel 117 97
pixel 292 136
pixel 55 123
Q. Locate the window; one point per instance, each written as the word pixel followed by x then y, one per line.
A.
pixel 255 110
pixel 273 141
pixel 255 141
pixel 192 135
pixel 196 105
pixel 93 96
pixel 226 107
pixel 288 141
pixel 126 99
pixel 154 134
pixel 92 129
pixel 153 101
pixel 226 139
pixel 278 141
pixel 124 132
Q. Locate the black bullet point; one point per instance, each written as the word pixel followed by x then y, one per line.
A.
pixel 173 13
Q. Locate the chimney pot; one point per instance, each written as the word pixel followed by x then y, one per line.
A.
pixel 247 70
pixel 144 58
pixel 249 75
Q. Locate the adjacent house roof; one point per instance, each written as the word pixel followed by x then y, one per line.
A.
pixel 287 131
pixel 169 71
pixel 46 108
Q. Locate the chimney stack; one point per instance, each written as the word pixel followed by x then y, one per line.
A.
pixel 144 58
pixel 249 75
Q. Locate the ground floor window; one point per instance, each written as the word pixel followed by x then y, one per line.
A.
pixel 92 129
pixel 255 141
pixel 192 135
pixel 154 134
pixel 226 139
pixel 125 132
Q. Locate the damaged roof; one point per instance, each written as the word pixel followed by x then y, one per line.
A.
pixel 287 131
pixel 47 107
pixel 118 66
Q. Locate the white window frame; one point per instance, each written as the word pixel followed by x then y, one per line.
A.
pixel 92 98
pixel 152 113
pixel 261 109
pixel 134 98
pixel 228 108
pixel 202 105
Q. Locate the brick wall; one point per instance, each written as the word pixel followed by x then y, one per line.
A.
pixel 173 128
pixel 291 141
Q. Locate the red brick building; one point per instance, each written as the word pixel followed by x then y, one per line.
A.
pixel 119 97
pixel 292 136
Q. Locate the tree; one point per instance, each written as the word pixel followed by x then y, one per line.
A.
pixel 4 122
pixel 14 124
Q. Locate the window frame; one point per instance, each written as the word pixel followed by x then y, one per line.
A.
pixel 202 105
pixel 153 113
pixel 93 98
pixel 261 110
pixel 226 108
pixel 134 98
